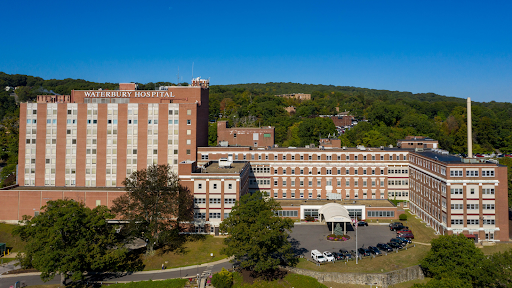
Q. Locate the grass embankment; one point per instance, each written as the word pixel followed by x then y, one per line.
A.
pixel 195 252
pixel 290 280
pixel 386 263
pixel 14 243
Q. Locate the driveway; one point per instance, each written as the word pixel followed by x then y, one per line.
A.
pixel 306 237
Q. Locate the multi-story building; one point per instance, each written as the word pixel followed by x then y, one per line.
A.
pixel 457 195
pixel 299 96
pixel 82 146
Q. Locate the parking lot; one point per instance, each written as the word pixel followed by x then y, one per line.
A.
pixel 306 237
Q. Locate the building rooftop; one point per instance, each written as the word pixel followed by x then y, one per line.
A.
pixel 213 167
pixel 365 202
pixel 451 159
pixel 78 189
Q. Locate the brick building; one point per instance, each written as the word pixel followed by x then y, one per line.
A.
pixel 82 146
pixel 255 137
pixel 298 96
pixel 413 142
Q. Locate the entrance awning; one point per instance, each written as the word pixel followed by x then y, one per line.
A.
pixel 334 212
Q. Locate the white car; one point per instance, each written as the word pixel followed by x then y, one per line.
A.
pixel 328 256
pixel 317 256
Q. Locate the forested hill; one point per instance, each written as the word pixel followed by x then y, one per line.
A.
pixel 391 115
pixel 276 88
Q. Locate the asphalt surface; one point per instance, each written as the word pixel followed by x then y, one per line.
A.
pixel 307 237
pixel 304 238
pixel 6 282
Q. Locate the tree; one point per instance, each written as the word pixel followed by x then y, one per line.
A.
pixel 154 206
pixel 70 239
pixel 455 256
pixel 223 279
pixel 257 237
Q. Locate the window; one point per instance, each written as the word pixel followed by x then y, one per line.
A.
pixel 286 213
pixel 229 201
pixel 214 186
pixel 389 214
pixel 488 191
pixel 204 156
pixel 199 186
pixel 472 206
pixel 189 122
pixel 230 186
pixel 488 206
pixel 488 173
pixel 457 206
pixel 471 173
pixel 188 151
pixel 457 221
pixel 456 191
pixel 456 173
pixel 199 200
pixel 472 221
pixel 189 112
pixel 488 221
pixel 214 200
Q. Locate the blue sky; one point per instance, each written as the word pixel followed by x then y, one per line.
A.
pixel 453 48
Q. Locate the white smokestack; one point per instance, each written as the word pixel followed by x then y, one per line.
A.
pixel 470 136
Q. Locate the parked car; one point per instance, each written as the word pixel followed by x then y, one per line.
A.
pixel 398 241
pixel 394 245
pixel 362 223
pixel 328 256
pixel 346 255
pixel 395 224
pixel 317 256
pixel 337 256
pixel 407 235
pixel 403 231
pixel 384 247
pixel 364 252
pixel 374 250
pixel 405 239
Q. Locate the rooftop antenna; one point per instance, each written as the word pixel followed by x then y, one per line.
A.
pixel 192 70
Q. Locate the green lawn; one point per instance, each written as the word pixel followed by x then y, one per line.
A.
pixel 386 263
pixel 14 243
pixel 196 252
pixel 171 283
pixel 502 247
pixel 290 280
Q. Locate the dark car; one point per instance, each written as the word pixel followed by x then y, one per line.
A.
pixel 374 250
pixel 407 235
pixel 398 227
pixel 384 247
pixel 394 245
pixel 405 239
pixel 362 223
pixel 337 256
pixel 398 241
pixel 395 223
pixel 346 255
pixel 364 252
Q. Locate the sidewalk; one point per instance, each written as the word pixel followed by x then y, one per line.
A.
pixel 132 273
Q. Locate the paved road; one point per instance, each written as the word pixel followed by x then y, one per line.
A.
pixel 308 237
pixel 6 282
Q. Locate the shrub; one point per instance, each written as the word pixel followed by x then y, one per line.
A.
pixel 402 217
pixel 309 218
pixel 223 279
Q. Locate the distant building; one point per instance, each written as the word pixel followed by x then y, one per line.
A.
pixel 343 119
pixel 413 142
pixel 252 137
pixel 330 142
pixel 290 109
pixel 299 96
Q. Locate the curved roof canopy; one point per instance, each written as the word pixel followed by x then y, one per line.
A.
pixel 334 212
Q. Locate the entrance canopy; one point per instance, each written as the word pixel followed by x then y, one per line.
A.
pixel 334 212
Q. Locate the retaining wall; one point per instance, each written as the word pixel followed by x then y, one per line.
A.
pixel 380 279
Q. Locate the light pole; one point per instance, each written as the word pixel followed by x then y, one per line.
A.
pixel 357 254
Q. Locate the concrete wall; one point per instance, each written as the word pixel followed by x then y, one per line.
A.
pixel 380 279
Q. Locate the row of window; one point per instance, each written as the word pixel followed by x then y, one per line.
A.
pixel 472 206
pixel 372 213
pixel 200 186
pixel 287 213
pixel 471 173
pixel 459 191
pixel 472 221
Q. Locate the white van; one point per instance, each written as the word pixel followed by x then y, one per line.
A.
pixel 328 256
pixel 317 256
